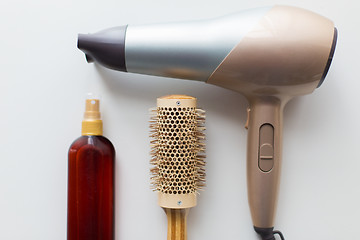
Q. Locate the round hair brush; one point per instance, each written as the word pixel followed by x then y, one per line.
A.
pixel 177 150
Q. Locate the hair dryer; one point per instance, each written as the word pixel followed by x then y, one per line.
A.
pixel 270 55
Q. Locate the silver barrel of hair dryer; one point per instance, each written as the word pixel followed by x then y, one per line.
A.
pixel 188 50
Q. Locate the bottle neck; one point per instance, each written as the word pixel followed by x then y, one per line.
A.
pixel 92 127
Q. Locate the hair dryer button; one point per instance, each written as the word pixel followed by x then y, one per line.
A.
pixel 266 157
pixel 266 149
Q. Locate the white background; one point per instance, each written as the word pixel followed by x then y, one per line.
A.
pixel 44 79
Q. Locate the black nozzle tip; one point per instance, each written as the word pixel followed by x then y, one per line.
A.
pixel 82 41
pixel 106 47
pixel 332 51
pixel 82 44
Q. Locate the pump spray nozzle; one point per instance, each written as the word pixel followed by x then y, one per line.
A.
pixel 92 123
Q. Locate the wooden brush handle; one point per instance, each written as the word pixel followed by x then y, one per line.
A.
pixel 176 223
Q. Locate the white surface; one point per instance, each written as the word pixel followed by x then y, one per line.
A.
pixel 43 82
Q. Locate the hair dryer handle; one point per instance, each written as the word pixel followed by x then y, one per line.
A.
pixel 264 159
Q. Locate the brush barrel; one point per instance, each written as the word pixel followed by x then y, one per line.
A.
pixel 179 168
pixel 264 159
pixel 177 158
pixel 177 223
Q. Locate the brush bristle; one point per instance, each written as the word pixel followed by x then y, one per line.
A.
pixel 177 149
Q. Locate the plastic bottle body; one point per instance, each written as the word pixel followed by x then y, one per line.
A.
pixel 91 171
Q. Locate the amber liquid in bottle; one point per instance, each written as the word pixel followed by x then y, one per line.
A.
pixel 91 163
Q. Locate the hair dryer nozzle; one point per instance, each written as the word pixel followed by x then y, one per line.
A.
pixel 106 47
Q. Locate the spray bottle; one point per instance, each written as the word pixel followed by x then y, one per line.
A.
pixel 91 161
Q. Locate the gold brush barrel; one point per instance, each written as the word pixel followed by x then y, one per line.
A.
pixel 178 158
